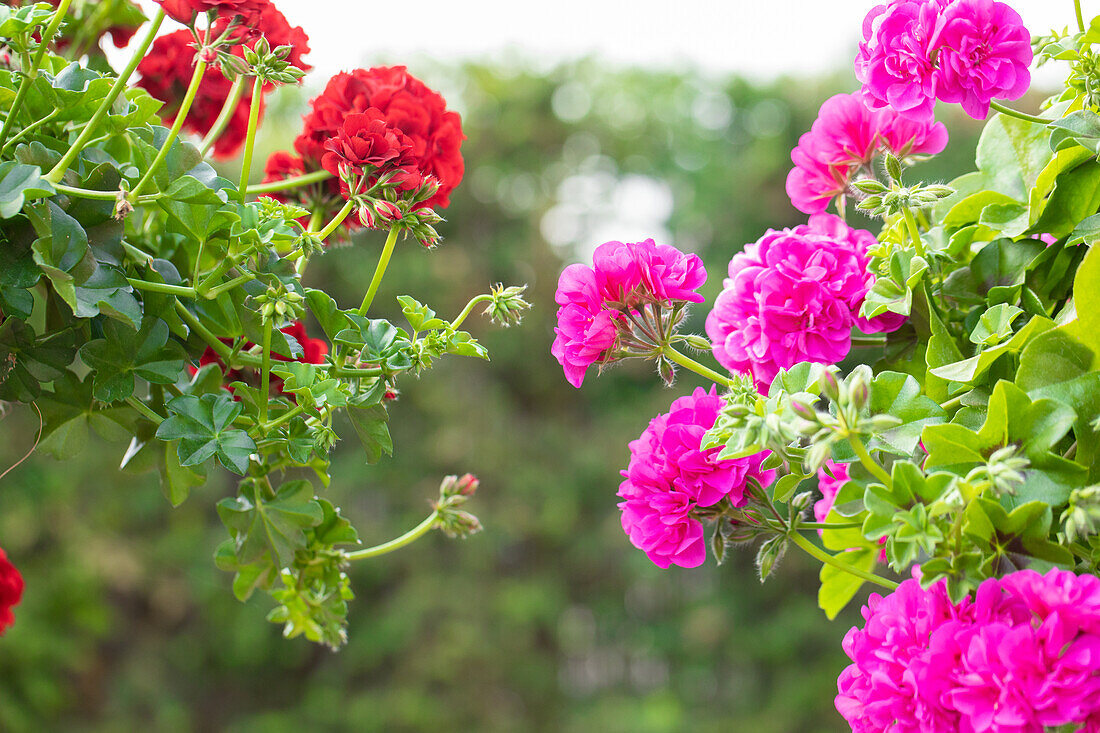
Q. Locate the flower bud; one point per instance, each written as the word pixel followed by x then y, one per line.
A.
pixel 858 392
pixel 367 216
pixel 387 210
pixel 869 186
pixel 804 411
pixel 467 484
pixel 830 389
pixel 698 343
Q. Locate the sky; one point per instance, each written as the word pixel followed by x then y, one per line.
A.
pixel 758 38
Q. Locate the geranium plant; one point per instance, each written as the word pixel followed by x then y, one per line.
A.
pixel 931 393
pixel 146 298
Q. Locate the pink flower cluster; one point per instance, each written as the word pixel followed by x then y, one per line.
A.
pixel 794 296
pixel 1021 656
pixel 844 139
pixel 965 51
pixel 594 301
pixel 669 475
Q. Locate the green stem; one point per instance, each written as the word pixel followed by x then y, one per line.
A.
pixel 868 462
pixel 138 254
pixel 180 290
pixel 396 544
pixel 953 402
pixel 211 340
pixel 146 411
pixel 1080 16
pixel 993 104
pixel 265 372
pixel 230 106
pixel 289 183
pixel 689 363
pixel 58 171
pixel 357 373
pixel 181 117
pixel 288 415
pixel 469 308
pixel 239 280
pixel 336 221
pixel 29 75
pixel 27 130
pixel 379 271
pixel 914 233
pixel 250 137
pixel 87 193
pixel 818 554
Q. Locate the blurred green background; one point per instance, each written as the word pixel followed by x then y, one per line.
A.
pixel 547 621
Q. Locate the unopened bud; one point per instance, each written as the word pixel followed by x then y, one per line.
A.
pixel 859 393
pixel 698 343
pixel 830 389
pixel 467 484
pixel 804 411
pixel 366 216
pixel 387 210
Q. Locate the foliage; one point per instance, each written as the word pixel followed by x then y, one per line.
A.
pixel 127 258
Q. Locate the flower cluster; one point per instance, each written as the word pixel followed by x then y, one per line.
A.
pixel 11 591
pixel 166 72
pixel 433 132
pixel 966 51
pixel 843 141
pixel 793 296
pixel 670 475
pixel 1022 655
pixel 600 307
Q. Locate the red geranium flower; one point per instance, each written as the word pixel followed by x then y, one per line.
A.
pixel 11 591
pixel 185 11
pixel 272 25
pixel 367 144
pixel 434 132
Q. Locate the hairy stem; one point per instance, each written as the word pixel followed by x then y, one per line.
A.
pixel 469 308
pixel 230 106
pixel 288 183
pixel 265 372
pixel 58 171
pixel 181 117
pixel 688 363
pixel 818 554
pixel 179 290
pixel 29 74
pixel 396 544
pixel 379 270
pixel 250 136
pixel 993 104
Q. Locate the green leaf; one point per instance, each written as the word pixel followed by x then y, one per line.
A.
pixel 273 526
pixel 331 319
pixel 838 587
pixel 1077 128
pixel 1011 154
pixel 177 480
pixel 20 183
pixel 124 353
pixel 202 427
pixel 899 395
pixel 967 371
pixel 370 425
pixel 419 316
pixel 995 325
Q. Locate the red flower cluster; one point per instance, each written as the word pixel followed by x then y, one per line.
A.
pixel 166 71
pixel 185 11
pixel 434 133
pixel 11 591
pixel 367 144
pixel 313 352
pixel 272 25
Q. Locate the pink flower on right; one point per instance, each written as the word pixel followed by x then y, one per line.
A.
pixel 1022 656
pixel 793 296
pixel 962 51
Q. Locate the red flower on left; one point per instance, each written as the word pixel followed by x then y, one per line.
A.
pixel 166 71
pixel 11 591
pixel 185 11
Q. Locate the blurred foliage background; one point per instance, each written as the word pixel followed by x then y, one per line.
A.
pixel 547 621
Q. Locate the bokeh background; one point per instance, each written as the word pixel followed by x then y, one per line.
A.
pixel 548 620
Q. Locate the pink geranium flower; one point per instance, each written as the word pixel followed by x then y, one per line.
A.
pixel 895 60
pixel 966 51
pixel 793 296
pixel 597 304
pixel 1023 656
pixel 669 474
pixel 846 136
pixel 984 53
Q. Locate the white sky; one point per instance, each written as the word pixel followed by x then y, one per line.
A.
pixel 759 38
